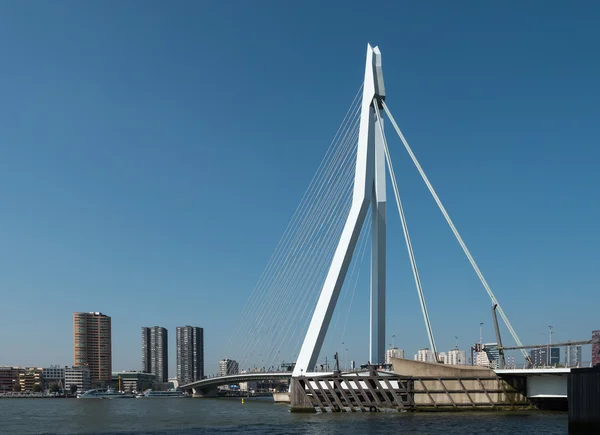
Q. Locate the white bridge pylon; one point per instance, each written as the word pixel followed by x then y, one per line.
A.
pixel 370 189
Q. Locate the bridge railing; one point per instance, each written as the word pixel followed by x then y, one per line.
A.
pixel 546 367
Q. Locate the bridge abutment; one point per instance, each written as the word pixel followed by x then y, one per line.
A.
pixel 299 402
pixel 205 392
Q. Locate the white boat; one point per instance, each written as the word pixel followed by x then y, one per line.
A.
pixel 104 394
pixel 170 394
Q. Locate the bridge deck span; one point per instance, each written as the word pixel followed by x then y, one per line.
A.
pixel 209 383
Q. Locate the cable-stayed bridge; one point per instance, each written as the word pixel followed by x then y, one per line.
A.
pixel 342 214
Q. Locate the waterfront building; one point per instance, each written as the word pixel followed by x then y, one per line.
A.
pixel 53 375
pixel 393 352
pixel 228 367
pixel 92 346
pixel 540 358
pixel 9 378
pixel 248 386
pixel 129 381
pixel 79 376
pixel 595 347
pixel 573 356
pixel 424 355
pixel 29 377
pixel 155 353
pixel 456 357
pixel 190 354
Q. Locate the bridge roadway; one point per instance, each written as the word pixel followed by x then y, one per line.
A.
pixel 207 386
pixel 541 382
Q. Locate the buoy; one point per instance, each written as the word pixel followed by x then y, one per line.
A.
pixel 242 400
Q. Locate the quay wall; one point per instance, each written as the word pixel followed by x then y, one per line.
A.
pixel 444 386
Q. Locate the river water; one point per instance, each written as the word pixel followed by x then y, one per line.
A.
pixel 255 416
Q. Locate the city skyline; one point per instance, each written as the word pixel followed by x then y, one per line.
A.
pixel 110 162
pixel 423 354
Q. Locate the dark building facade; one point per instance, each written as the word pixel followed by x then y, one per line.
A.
pixel 595 347
pixel 132 381
pixel 155 352
pixel 9 378
pixel 540 356
pixel 190 354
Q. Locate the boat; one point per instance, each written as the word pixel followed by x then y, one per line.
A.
pixel 169 394
pixel 104 394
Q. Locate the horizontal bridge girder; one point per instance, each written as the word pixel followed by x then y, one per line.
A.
pixel 236 379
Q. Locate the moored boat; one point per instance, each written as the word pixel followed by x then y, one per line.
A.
pixel 169 394
pixel 100 393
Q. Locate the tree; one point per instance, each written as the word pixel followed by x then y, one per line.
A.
pixel 37 388
pixel 73 388
pixel 17 388
pixel 54 388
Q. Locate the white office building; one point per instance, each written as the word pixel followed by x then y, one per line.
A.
pixel 79 376
pixel 443 357
pixel 393 352
pixel 481 359
pixel 425 355
pixel 456 357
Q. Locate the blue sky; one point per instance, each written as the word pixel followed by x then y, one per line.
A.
pixel 151 155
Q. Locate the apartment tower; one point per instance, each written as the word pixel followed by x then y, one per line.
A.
pixel 155 352
pixel 190 354
pixel 92 346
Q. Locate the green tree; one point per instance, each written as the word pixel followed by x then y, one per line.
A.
pixel 37 388
pixel 17 388
pixel 73 388
pixel 54 388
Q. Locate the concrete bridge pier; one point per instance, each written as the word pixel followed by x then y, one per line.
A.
pixel 205 392
pixel 298 400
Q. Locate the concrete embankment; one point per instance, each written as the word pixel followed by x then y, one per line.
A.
pixel 447 387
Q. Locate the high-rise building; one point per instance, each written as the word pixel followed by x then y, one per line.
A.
pixel 456 357
pixel 595 347
pixel 493 355
pixel 92 346
pixel 228 367
pixel 481 359
pixel 155 353
pixel 539 356
pixel 393 352
pixel 424 355
pixel 573 356
pixel 190 354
